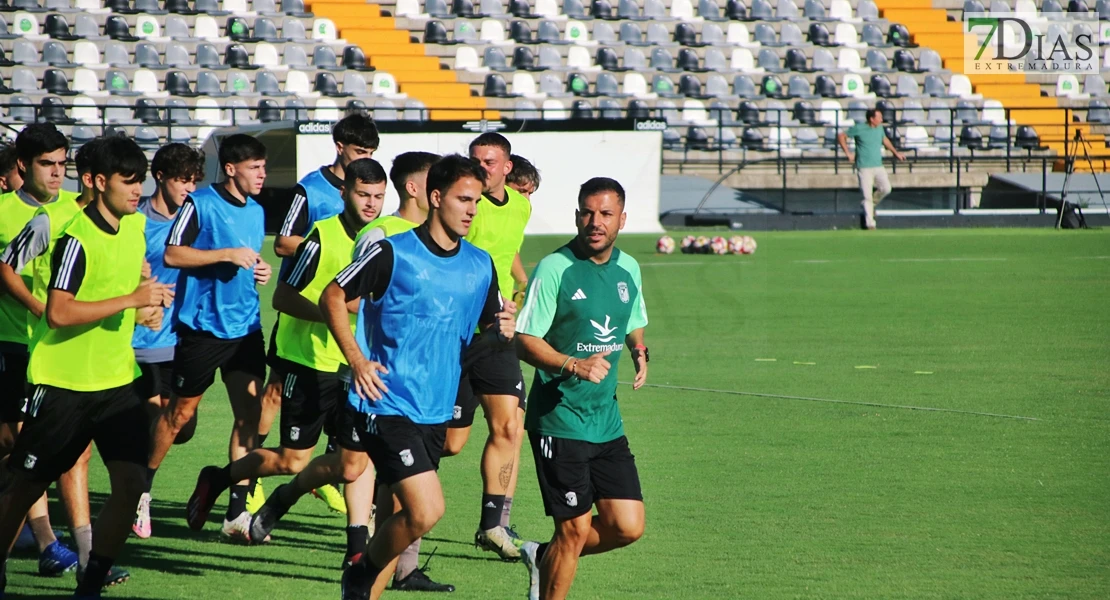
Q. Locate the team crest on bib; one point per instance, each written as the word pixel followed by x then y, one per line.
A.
pixel 622 291
pixel 406 457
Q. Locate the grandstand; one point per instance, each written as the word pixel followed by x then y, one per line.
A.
pixel 764 83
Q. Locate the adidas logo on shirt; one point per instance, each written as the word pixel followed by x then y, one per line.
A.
pixel 579 295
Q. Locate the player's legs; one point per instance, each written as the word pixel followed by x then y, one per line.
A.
pixel 73 488
pixel 462 418
pixel 344 466
pixel 180 411
pixel 456 440
pixel 243 374
pixel 422 506
pixel 617 524
pixel 390 505
pixel 559 563
pixel 359 498
pixel 499 464
pixel 57 432
pixel 866 178
pixel 882 185
pixel 510 493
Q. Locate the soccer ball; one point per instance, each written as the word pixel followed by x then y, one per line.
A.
pixel 718 245
pixel 701 245
pixel 749 245
pixel 736 244
pixel 665 245
pixel 688 244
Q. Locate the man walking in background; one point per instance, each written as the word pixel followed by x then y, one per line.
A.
pixel 870 140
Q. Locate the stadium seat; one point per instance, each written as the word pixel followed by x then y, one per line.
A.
pixel 738 35
pixel 554 110
pixel 971 137
pixel 57 27
pixel 686 35
pixel 176 83
pixel 787 10
pixel 494 58
pixel 716 61
pixel 115 83
pixel 688 61
pixel 876 61
pixel 53 110
pixel 27 24
pixel 209 57
pixel 960 85
pixel 293 30
pixel 205 28
pixel 1093 85
pixel 1026 138
pixel 634 84
pixel 551 59
pixel 326 85
pixel 743 87
pixel 24 80
pixel 736 11
pixel 867 10
pixel 493 32
pixel 840 10
pixel 762 11
pixel 661 60
pixel 87 82
pixel 209 113
pixel 524 84
pixel 324 30
pixel 825 87
pixel 323 57
pixel 239 85
pixel 769 61
pixel 582 110
pixel 656 11
pixel 634 59
pixel 766 36
pixel 796 61
pixel 798 87
pixel 1098 111
pixel 1078 6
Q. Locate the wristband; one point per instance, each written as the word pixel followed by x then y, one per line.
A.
pixel 564 365
pixel 640 348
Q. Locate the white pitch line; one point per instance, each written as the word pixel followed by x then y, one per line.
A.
pixel 1089 257
pixel 682 263
pixel 955 259
pixel 684 388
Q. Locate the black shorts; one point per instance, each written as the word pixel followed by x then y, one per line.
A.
pixel 309 400
pixel 398 447
pixel 156 380
pixel 271 350
pixel 13 386
pixel 199 355
pixel 489 368
pixel 574 474
pixel 61 423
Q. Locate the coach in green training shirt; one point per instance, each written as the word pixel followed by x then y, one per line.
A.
pixel 584 306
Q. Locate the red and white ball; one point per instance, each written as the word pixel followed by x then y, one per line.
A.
pixel 736 244
pixel 749 245
pixel 688 244
pixel 701 245
pixel 718 245
pixel 665 245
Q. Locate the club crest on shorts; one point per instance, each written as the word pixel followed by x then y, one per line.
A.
pixel 458 412
pixel 622 291
pixel 354 436
pixel 406 457
pixel 29 462
pixel 572 499
pixel 294 433
pixel 180 381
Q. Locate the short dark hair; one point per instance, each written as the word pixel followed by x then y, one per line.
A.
pixel 524 172
pixel 871 112
pixel 178 161
pixel 356 129
pixel 599 185
pixel 85 155
pixel 37 139
pixel 450 169
pixel 7 158
pixel 408 164
pixel 363 170
pixel 491 138
pixel 119 155
pixel 237 148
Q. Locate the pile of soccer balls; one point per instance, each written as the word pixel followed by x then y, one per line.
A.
pixel 737 244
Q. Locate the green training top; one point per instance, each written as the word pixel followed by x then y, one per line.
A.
pixel 14 214
pixel 580 308
pixel 869 145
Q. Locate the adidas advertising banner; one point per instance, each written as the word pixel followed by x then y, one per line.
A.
pixel 565 159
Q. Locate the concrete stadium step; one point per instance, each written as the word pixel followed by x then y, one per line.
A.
pixel 390 47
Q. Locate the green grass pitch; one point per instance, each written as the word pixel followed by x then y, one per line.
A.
pixel 771 497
